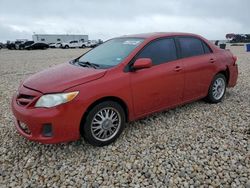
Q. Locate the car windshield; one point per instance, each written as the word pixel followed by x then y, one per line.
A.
pixel 112 52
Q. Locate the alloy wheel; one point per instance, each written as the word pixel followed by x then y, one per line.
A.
pixel 218 88
pixel 105 124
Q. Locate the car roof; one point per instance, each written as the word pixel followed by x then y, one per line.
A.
pixel 158 35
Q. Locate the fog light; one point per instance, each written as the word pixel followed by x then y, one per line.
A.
pixel 24 127
pixel 47 130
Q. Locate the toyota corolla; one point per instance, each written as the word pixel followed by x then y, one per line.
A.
pixel 124 79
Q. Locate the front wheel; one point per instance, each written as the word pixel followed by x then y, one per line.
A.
pixel 217 89
pixel 104 123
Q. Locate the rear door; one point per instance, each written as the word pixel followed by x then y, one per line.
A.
pixel 160 86
pixel 199 64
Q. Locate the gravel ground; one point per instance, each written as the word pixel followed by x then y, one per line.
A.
pixel 195 145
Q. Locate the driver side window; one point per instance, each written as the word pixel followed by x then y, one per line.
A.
pixel 160 51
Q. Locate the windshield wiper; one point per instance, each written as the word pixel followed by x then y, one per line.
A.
pixel 87 64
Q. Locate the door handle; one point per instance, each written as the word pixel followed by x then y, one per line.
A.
pixel 212 60
pixel 177 68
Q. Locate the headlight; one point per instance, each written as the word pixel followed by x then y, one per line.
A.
pixel 51 100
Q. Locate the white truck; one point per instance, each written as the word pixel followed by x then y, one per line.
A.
pixel 91 43
pixel 73 44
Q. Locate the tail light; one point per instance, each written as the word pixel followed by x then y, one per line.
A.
pixel 234 60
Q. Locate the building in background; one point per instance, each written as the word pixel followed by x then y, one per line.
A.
pixel 54 38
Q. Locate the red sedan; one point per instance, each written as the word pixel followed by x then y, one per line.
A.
pixel 124 79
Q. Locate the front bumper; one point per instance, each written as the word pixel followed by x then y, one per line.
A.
pixel 64 120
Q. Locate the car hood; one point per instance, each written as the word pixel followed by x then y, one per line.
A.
pixel 62 77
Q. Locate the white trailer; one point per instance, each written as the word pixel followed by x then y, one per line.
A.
pixel 54 38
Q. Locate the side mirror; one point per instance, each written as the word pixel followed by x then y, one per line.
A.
pixel 142 63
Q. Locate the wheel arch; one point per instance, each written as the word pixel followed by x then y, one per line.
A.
pixel 103 99
pixel 226 73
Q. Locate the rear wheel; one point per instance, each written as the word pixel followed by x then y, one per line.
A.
pixel 217 89
pixel 104 123
pixel 66 46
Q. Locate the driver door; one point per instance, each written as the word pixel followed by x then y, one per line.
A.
pixel 160 86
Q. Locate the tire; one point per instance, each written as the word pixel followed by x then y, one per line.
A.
pixel 83 46
pixel 94 127
pixel 217 89
pixel 66 46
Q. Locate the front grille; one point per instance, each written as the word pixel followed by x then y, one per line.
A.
pixel 23 99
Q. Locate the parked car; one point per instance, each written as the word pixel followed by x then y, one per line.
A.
pixel 55 45
pixel 37 46
pixel 14 45
pixel 25 44
pixel 72 44
pixel 58 45
pixel 90 44
pixel 1 46
pixel 119 81
pixel 52 45
pixel 18 43
pixel 11 45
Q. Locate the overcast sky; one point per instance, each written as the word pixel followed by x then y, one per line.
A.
pixel 109 18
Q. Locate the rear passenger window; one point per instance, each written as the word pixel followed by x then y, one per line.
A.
pixel 207 49
pixel 190 47
pixel 160 51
